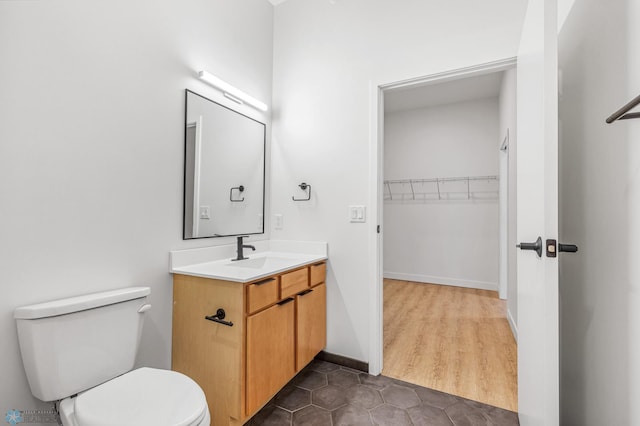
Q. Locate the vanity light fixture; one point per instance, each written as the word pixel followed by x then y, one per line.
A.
pixel 231 92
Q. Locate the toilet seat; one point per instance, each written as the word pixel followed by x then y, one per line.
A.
pixel 146 396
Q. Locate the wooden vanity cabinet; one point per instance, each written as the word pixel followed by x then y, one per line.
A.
pixel 279 326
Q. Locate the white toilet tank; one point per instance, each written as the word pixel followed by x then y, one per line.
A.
pixel 74 344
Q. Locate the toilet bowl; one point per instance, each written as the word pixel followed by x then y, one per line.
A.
pixel 142 397
pixel 80 353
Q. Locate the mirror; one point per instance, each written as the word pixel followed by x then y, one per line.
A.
pixel 223 171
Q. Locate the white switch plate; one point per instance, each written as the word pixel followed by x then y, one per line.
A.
pixel 205 212
pixel 357 214
pixel 279 221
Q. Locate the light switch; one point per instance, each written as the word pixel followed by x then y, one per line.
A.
pixel 279 221
pixel 205 212
pixel 357 214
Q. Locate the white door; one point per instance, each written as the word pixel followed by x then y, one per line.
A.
pixel 537 213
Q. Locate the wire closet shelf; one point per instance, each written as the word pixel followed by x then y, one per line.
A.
pixel 438 189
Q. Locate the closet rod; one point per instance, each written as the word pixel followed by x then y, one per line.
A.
pixel 440 186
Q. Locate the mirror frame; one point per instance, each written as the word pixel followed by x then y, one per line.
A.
pixel 184 181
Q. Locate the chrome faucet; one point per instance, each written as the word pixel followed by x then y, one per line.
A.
pixel 241 247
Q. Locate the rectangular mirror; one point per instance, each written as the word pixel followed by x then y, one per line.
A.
pixel 224 171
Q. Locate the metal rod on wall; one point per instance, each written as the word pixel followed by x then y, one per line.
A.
pixel 440 187
pixel 621 114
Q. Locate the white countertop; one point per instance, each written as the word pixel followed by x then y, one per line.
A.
pixel 270 257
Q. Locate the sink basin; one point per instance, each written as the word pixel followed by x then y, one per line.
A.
pixel 261 262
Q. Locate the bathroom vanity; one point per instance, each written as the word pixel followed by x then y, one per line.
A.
pixel 243 329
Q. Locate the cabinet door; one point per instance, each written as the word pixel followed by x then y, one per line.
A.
pixel 312 324
pixel 270 353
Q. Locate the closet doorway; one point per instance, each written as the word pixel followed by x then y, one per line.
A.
pixel 449 308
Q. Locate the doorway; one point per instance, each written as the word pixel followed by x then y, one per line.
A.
pixel 438 203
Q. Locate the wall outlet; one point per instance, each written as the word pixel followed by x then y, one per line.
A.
pixel 205 212
pixel 357 214
pixel 279 221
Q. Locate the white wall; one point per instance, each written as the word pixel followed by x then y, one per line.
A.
pixel 600 212
pixel 508 121
pixel 91 147
pixel 327 56
pixel 449 241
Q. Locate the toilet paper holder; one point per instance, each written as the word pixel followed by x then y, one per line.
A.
pixel 219 318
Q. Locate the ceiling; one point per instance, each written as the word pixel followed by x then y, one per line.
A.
pixel 454 91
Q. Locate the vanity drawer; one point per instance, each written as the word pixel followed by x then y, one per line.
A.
pixel 318 273
pixel 262 293
pixel 294 282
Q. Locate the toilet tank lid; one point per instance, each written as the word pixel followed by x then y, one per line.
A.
pixel 80 303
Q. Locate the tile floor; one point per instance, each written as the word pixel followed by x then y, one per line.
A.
pixel 328 394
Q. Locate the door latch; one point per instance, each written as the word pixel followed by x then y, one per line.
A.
pixel 553 248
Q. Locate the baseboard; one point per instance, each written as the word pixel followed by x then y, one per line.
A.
pixel 482 285
pixel 512 324
pixel 344 361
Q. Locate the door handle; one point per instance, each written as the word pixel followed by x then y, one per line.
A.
pixel 537 246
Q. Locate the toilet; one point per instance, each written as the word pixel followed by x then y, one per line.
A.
pixel 80 352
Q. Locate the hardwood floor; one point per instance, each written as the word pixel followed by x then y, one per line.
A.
pixel 452 339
